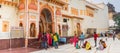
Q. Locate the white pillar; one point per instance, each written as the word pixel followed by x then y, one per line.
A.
pixel 27 23
pixel 38 17
pixel 55 20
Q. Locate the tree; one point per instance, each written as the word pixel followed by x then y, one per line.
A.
pixel 117 20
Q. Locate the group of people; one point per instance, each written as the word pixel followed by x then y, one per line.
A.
pixel 48 39
pixel 79 42
pixel 110 34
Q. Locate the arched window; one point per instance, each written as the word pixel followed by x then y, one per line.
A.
pixel 78 29
pixel 20 25
pixel 32 30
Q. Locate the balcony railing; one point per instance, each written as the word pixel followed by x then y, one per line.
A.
pixel 58 2
pixel 8 3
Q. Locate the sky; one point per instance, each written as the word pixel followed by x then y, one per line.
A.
pixel 116 3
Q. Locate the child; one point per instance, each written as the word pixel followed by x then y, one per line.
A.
pixel 77 46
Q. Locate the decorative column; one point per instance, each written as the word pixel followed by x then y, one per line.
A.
pixel 27 23
pixel 38 18
pixel 58 17
pixel 55 19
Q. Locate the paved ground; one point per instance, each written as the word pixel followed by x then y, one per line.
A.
pixel 18 50
pixel 112 47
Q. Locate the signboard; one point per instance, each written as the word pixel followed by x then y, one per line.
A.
pixel 17 32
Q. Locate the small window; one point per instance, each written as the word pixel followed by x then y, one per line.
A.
pixel 0 16
pixel 0 6
pixel 65 7
pixel 64 20
pixel 21 25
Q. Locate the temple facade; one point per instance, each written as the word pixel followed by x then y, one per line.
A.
pixel 22 20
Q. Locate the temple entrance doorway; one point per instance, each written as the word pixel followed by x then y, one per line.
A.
pixel 45 23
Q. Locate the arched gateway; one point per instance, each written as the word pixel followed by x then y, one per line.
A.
pixel 46 20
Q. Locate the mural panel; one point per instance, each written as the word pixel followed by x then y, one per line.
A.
pixel 21 5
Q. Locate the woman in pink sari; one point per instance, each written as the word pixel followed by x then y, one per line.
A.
pixel 49 39
pixel 75 40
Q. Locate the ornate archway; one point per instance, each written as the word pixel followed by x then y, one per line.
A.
pixel 46 19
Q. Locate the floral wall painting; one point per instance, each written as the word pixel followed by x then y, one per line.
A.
pixel 21 5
